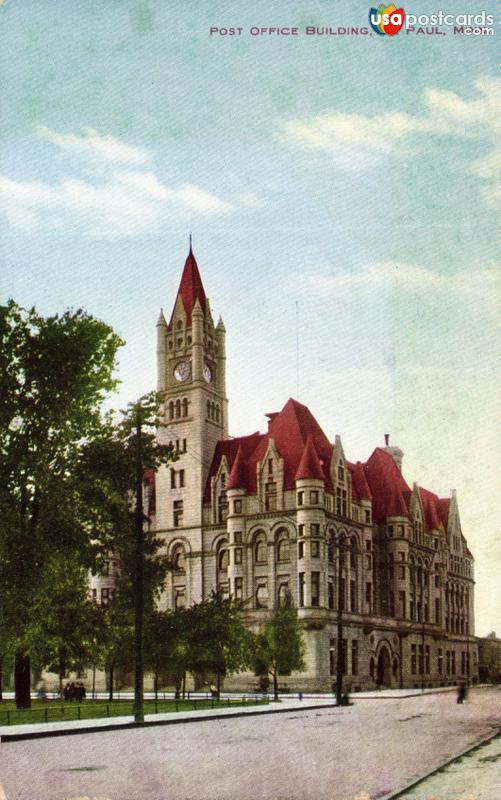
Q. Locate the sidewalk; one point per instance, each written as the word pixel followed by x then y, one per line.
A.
pixel 10 733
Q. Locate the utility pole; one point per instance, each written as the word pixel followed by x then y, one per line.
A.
pixel 340 607
pixel 139 576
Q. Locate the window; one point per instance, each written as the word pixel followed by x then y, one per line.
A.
pixel 105 596
pixel 413 659
pixel 185 407
pixel 239 588
pixel 180 598
pixel 353 596
pixel 427 659
pixel 261 555
pixel 368 562
pixel 237 537
pixel 330 592
pixel 238 555
pixel 402 604
pixel 453 662
pixel 181 478
pixel 173 479
pixel 315 529
pixel 420 659
pixel 315 589
pixel 332 658
pixel 178 513
pixel 367 515
pixel 222 560
pixel 440 661
pixel 340 472
pixel 237 507
pixel 178 558
pixel 270 496
pixel 94 595
pixel 314 498
pixel 368 596
pixel 300 498
pixel 368 544
pixel 261 595
pixel 315 548
pixel 301 582
pixel 330 549
pixel 390 530
pixel 283 593
pixel 301 530
pixel 283 550
pixel 401 573
pixel 392 604
pixel 300 549
pixel 353 553
pixel 222 505
pixel 270 466
pixel 184 445
pixel 354 657
pixel 342 591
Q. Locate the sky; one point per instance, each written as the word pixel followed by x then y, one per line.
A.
pixel 341 194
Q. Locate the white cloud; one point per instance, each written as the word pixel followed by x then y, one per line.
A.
pixel 357 141
pixel 128 203
pixel 92 144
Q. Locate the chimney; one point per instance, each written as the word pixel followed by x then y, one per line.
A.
pixel 395 452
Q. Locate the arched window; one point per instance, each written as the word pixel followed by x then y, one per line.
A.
pixel 283 548
pixel 222 561
pixel 178 408
pixel 208 409
pixel 179 558
pixel 284 594
pixel 171 410
pixel 353 553
pixel 217 413
pixel 395 668
pixel 331 547
pixel 371 668
pixel 185 407
pixel 260 551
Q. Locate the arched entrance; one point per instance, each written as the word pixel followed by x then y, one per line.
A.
pixel 384 668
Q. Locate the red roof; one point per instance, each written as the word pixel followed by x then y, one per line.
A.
pixel 309 466
pixel 238 474
pixel 390 493
pixel 359 486
pixel 431 508
pixel 191 288
pixel 307 453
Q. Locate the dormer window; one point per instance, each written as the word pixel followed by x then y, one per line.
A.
pixel 270 496
pixel 270 466
pixel 340 472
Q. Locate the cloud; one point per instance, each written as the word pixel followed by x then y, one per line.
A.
pixel 357 141
pixel 116 193
pixel 92 144
pixel 127 203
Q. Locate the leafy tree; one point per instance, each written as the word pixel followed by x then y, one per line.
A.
pixel 218 641
pixel 166 644
pixel 279 647
pixel 55 373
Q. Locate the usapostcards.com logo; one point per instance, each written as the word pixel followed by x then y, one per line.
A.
pixel 386 20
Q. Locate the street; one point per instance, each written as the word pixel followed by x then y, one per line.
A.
pixel 374 746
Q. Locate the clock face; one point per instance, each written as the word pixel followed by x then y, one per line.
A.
pixel 182 371
pixel 207 373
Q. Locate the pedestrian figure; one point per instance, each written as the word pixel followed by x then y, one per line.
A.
pixel 461 693
pixel 213 691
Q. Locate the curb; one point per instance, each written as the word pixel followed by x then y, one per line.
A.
pixel 416 781
pixel 17 737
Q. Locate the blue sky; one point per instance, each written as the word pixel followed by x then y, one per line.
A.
pixel 350 178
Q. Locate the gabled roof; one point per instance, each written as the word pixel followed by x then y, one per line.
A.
pixel 191 288
pixel 309 466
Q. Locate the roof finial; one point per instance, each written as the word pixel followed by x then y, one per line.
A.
pixel 387 439
pixel 191 240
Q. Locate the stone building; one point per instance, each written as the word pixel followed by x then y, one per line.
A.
pixel 489 658
pixel 285 512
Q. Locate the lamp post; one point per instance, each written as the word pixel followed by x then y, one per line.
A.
pixel 139 576
pixel 340 608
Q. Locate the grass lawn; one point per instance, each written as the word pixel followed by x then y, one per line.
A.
pixel 55 710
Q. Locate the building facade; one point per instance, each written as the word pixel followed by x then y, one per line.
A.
pixel 489 658
pixel 286 513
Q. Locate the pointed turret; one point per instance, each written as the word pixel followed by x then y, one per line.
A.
pixel 309 466
pixel 191 287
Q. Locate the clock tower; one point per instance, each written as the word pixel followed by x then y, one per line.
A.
pixel 193 406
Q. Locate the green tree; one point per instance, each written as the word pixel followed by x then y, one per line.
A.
pixel 279 647
pixel 55 373
pixel 218 641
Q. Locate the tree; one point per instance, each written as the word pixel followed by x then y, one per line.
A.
pixel 166 644
pixel 279 647
pixel 218 641
pixel 55 373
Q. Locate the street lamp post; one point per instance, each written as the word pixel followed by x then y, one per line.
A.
pixel 340 608
pixel 139 576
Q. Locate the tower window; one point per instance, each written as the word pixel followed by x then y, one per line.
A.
pixel 315 589
pixel 270 496
pixel 181 478
pixel 171 410
pixel 178 513
pixel 178 408
pixel 172 479
pixel 185 407
pixel 270 466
